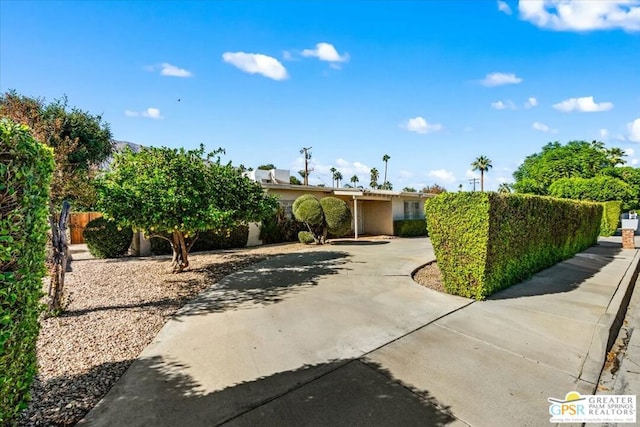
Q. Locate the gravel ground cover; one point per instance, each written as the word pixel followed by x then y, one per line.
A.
pixel 430 277
pixel 114 310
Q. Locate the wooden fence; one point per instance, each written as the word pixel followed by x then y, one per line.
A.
pixel 78 221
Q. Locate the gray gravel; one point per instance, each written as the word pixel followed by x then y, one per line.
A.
pixel 115 309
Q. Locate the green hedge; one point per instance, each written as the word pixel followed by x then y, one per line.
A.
pixel 105 239
pixel 26 167
pixel 410 227
pixel 279 228
pixel 485 242
pixel 235 237
pixel 610 217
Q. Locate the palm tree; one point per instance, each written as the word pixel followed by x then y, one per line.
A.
pixel 615 156
pixel 333 176
pixel 375 176
pixel 355 180
pixel 482 164
pixel 385 159
pixel 504 188
pixel 338 177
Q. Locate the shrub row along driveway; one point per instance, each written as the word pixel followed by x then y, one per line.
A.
pixel 342 336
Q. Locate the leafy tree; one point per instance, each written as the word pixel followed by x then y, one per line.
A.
pixel 631 176
pixel 354 180
pixel 615 156
pixel 385 159
pixel 375 176
pixel 576 159
pixel 386 186
pixel 267 167
pixel 295 181
pixel 597 189
pixel 81 142
pixel 409 189
pixel 328 215
pixel 504 188
pixel 180 193
pixel 482 164
pixel 434 189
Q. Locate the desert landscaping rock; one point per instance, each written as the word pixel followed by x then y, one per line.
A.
pixel 115 308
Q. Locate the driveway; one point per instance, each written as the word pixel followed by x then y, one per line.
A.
pixel 281 323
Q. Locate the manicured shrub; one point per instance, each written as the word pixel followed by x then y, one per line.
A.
pixel 279 228
pixel 337 216
pixel 328 215
pixel 227 238
pixel 410 227
pixel 485 242
pixel 610 217
pixel 597 189
pixel 105 240
pixel 26 167
pixel 306 237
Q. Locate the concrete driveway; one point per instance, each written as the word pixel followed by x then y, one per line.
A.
pixel 342 336
pixel 266 330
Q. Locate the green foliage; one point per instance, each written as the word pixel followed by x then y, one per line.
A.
pixel 597 189
pixel 306 237
pixel 179 192
pixel 26 167
pixel 81 142
pixel 485 242
pixel 227 238
pixel 576 159
pixel 337 216
pixel 105 239
pixel 610 217
pixel 410 227
pixel 278 228
pixel 329 215
pixel 632 177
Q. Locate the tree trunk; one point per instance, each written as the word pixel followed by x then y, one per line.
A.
pixel 60 256
pixel 180 259
pixel 481 180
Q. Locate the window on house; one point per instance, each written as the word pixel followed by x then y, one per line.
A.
pixel 412 210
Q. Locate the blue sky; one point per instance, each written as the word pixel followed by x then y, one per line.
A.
pixel 433 84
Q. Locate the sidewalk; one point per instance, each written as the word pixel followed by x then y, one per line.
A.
pixel 343 336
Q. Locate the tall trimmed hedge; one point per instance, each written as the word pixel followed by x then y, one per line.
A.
pixel 26 167
pixel 485 242
pixel 410 227
pixel 610 217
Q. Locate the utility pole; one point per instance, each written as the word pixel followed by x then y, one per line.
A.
pixel 307 157
pixel 474 181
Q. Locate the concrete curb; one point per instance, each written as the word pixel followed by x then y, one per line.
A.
pixel 609 325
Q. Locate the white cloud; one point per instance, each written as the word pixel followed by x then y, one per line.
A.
pixel 151 113
pixel 504 7
pixel 584 104
pixel 173 71
pixel 405 174
pixel 604 133
pixel 531 102
pixel 325 52
pixel 442 175
pixel 167 69
pixel 566 15
pixel 287 56
pixel 634 130
pixel 420 125
pixel 507 105
pixel 471 174
pixel 542 127
pixel 256 63
pixel 629 152
pixel 499 79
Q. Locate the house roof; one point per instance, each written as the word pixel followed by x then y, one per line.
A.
pixel 365 193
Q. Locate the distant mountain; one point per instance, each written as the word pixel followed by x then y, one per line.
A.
pixel 120 146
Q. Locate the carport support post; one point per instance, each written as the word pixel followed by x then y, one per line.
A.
pixel 355 213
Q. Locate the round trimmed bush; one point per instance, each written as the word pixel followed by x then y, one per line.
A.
pixel 307 208
pixel 105 240
pixel 306 237
pixel 337 215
